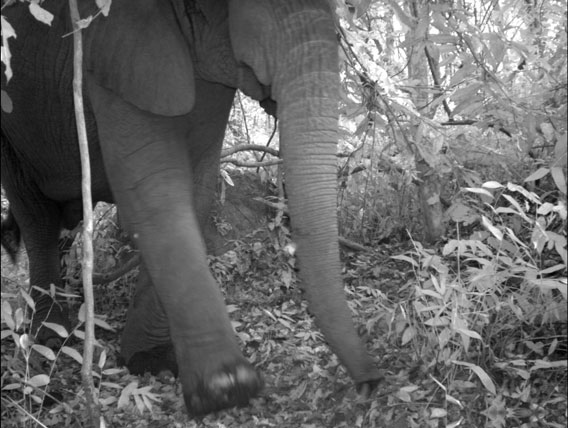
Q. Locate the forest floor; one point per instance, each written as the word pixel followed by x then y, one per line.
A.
pixel 304 384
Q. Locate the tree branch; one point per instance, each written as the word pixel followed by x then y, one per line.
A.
pixel 240 163
pixel 246 147
pixel 88 254
pixel 473 122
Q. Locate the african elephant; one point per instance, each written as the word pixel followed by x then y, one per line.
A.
pixel 160 77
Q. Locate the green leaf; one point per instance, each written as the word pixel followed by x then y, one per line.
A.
pixel 492 185
pixel 19 317
pixel 72 353
pixel 552 284
pixel 432 293
pixel 7 105
pixel 469 91
pixel 516 240
pixel 437 413
pixel 404 396
pixel 285 323
pixel 111 372
pixel 545 209
pixel 139 403
pixel 7 315
pixel 7 33
pixel 543 364
pixel 7 29
pixel 483 377
pixel 103 324
pixel 104 6
pixel 516 205
pixel 39 380
pixel 432 200
pixel 460 212
pixel 59 329
pixel 39 13
pixel 298 391
pixel 537 175
pixel 538 236
pixel 437 322
pixel 102 359
pixel 12 386
pixel 560 148
pixel 232 308
pixel 26 341
pixel 531 196
pixel 470 333
pixel 479 190
pixel 408 335
pixel 45 351
pixel 450 247
pixel 81 314
pixel 559 179
pixel 85 22
pixel 494 231
pixel 505 210
pixel 30 302
pixel 126 394
pixel 552 269
pixel 225 175
pixel 406 259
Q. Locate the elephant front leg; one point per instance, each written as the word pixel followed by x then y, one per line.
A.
pixel 146 345
pixel 38 220
pixel 148 168
pixel 208 120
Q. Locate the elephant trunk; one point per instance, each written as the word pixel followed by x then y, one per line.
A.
pixel 305 88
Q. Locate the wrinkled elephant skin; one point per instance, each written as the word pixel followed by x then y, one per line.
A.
pixel 160 77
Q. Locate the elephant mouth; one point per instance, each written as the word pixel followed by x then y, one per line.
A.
pixel 269 106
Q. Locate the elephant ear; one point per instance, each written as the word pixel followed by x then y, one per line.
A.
pixel 139 53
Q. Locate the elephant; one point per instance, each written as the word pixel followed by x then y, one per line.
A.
pixel 159 81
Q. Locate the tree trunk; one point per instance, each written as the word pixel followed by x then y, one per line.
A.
pixel 430 183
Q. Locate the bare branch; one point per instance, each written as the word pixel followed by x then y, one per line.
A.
pixel 352 245
pixel 473 122
pixel 246 147
pixel 88 253
pixel 240 163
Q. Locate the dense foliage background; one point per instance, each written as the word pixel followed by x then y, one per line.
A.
pixel 452 176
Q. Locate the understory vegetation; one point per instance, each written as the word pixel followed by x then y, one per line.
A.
pixel 468 324
pixel 470 331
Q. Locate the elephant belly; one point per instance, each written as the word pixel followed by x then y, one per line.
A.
pixel 46 152
pixel 66 190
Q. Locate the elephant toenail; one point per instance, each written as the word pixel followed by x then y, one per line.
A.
pixel 196 404
pixel 244 375
pixel 221 383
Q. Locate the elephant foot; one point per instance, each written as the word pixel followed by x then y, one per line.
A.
pixel 205 390
pixel 156 361
pixel 366 388
pixel 230 386
pixel 47 310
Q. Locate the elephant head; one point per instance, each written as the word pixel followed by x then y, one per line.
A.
pixel 286 51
